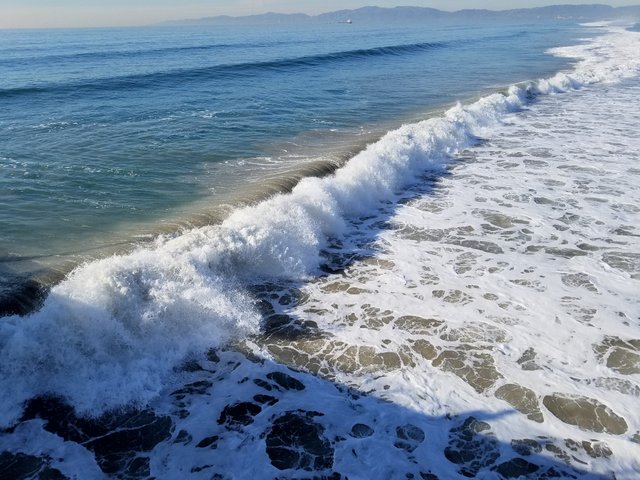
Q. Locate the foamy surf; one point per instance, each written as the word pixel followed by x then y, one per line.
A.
pixel 112 333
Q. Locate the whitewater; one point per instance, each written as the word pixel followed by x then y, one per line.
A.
pixel 459 299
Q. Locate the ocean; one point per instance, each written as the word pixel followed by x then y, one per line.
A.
pixel 331 251
pixel 128 133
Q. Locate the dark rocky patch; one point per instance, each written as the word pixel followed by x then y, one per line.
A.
pixel 208 442
pixel 263 384
pixel 239 414
pixel 212 356
pixel 554 473
pixel 594 449
pixel 360 430
pixel 526 446
pixel 115 437
pixel 516 467
pixel 472 446
pixel 139 467
pixel 331 476
pixel 528 360
pixel 558 452
pixel 20 466
pixel 627 262
pixel 587 247
pixel 199 469
pixel 296 441
pixel 621 356
pixel 586 413
pixel 570 451
pixel 428 476
pixel 286 381
pixel 183 413
pixel 275 323
pixel 192 366
pixel 337 259
pixel 488 247
pixel 183 437
pixel 522 399
pixel 294 298
pixel 195 388
pixel 279 327
pixel 477 368
pixel 409 437
pixel 265 399
pixel 564 252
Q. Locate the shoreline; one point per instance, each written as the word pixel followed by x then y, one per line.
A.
pixel 31 277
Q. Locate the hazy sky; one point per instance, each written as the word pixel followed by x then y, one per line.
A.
pixel 65 13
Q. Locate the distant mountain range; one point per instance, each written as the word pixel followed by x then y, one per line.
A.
pixel 578 13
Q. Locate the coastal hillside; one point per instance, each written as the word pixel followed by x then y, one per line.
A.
pixel 405 15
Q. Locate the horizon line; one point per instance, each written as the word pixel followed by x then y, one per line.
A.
pixel 183 21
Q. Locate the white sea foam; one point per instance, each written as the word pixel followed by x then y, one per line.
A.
pixel 114 330
pixel 513 284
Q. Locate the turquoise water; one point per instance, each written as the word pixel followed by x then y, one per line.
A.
pixel 108 136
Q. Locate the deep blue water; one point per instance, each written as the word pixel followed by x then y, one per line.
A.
pixel 106 134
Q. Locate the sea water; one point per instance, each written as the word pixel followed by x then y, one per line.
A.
pixel 457 299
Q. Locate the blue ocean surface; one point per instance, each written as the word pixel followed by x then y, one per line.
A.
pixel 110 136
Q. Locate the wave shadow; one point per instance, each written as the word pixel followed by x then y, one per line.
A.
pixel 238 416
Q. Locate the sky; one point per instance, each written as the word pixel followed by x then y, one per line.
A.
pixel 93 13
